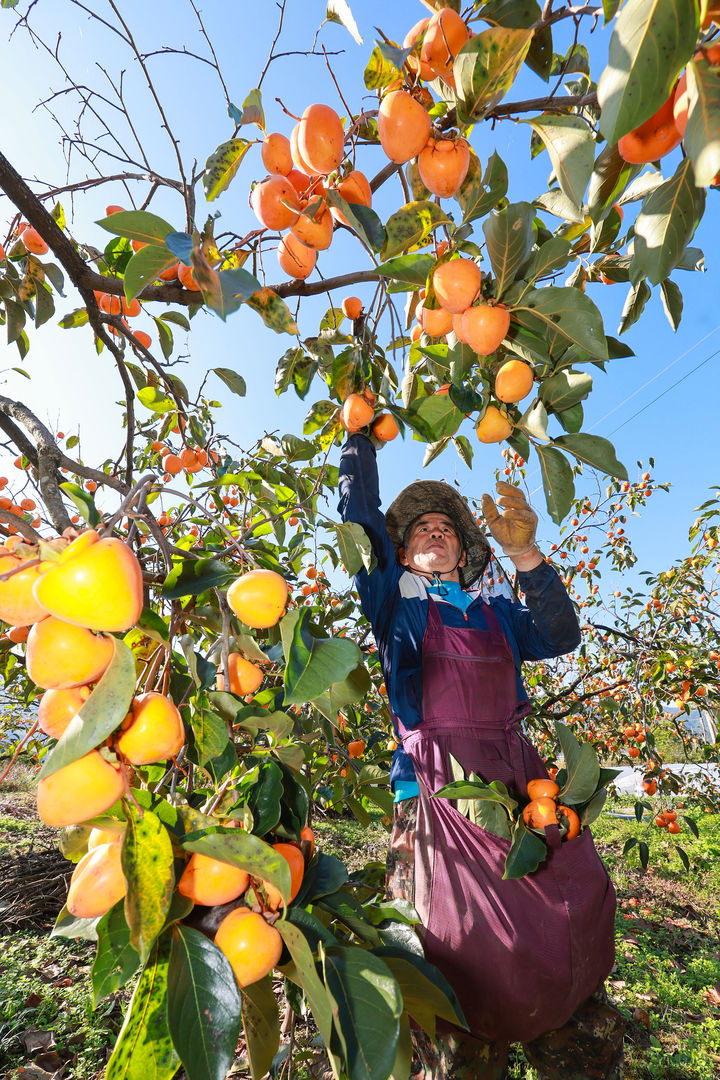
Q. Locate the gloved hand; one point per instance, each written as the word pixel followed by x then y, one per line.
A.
pixel 514 529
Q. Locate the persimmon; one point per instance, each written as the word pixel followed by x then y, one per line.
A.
pixel 57 708
pixel 211 882
pixel 172 464
pixel 403 126
pixel 97 882
pixel 295 860
pixel 17 634
pixel 296 259
pixel 2 254
pixel 300 181
pixel 33 241
pixel 443 165
pixel 276 203
pixel 493 426
pixel 356 412
pixel 457 328
pixel 436 322
pixel 660 822
pixel 60 655
pixel 670 815
pixel 573 821
pixel 352 307
pixel 314 228
pixel 307 836
pixel 540 812
pixel 321 139
pixel 445 36
pixel 542 789
pixel 171 273
pixel 132 309
pixel 681 104
pixel 252 946
pixel 649 787
pixel 79 791
pixel 112 832
pixel 484 327
pixel 653 139
pixel 258 598
pixel 18 604
pixel 457 284
pixel 300 163
pixel 114 209
pixel 186 277
pixel 275 154
pixel 409 41
pixel 673 827
pixel 385 427
pixel 356 748
pixel 152 731
pixel 514 381
pixel 245 677
pixel 354 188
pixel 95 583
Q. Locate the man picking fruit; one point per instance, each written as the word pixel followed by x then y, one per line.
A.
pixel 526 956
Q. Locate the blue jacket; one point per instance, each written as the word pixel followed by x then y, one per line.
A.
pixel 395 603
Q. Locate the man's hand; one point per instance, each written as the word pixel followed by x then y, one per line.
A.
pixel 514 529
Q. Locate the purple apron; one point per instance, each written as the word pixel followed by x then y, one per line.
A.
pixel 520 954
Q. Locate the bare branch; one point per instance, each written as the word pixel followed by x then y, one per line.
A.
pixel 8 518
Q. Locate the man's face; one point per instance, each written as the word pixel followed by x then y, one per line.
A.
pixel 434 547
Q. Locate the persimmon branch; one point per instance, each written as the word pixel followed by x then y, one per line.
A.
pixel 8 518
pixel 543 104
pixel 303 288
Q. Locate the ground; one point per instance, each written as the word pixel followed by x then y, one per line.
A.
pixel 666 980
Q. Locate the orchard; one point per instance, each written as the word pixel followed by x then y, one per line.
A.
pixel 184 659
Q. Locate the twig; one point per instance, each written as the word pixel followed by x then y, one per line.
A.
pixel 18 749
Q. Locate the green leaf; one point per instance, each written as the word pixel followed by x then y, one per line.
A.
pixel 147 862
pixel 425 992
pixel 634 306
pixel 526 853
pixel 210 736
pixel 262 788
pixel 137 225
pixel 222 166
pixel 567 316
pixel 666 223
pixel 554 255
pixel 353 688
pixel 103 711
pixel 144 1049
pixel 273 310
pixel 569 142
pixel 261 1024
pixel 509 237
pixel 355 548
pixel 362 219
pixel 189 577
pixel 581 767
pixel 312 664
pixel 651 42
pixel 564 389
pixel 702 135
pixel 116 961
pixel 592 809
pixel 69 926
pixel 595 451
pixel 434 417
pixel 558 482
pixel 241 849
pixel 79 317
pixel 368 1007
pixel 486 67
pixel 303 973
pixel 379 71
pixel 534 421
pixel 610 178
pixel 338 11
pixel 523 14
pixel 145 265
pixel 411 226
pixel 480 191
pixel 203 1005
pixel 411 270
pixel 672 302
pixel 572 419
pixel 155 399
pixel 84 502
pixel 232 380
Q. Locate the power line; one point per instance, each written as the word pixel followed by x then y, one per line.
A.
pixel 667 391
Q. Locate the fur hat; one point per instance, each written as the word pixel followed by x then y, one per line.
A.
pixel 435 496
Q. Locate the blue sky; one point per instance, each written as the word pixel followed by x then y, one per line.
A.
pixel 71 387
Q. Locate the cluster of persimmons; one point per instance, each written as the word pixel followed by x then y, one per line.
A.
pixel 71 603
pixel 543 810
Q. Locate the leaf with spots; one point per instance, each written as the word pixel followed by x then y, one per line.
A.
pixel 147 862
pixel 410 226
pixel 144 1049
pixel 571 147
pixel 566 317
pixel 222 166
pixel 261 1024
pixel 480 191
pixel 273 311
pixel 486 67
pixel 203 1005
pixel 509 237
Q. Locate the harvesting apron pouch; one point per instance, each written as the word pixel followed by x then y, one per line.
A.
pixel 521 954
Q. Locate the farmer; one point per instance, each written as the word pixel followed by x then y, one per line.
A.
pixel 526 957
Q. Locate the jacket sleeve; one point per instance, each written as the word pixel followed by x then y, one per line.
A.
pixel 546 625
pixel 359 489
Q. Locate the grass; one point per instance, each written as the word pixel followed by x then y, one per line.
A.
pixel 666 980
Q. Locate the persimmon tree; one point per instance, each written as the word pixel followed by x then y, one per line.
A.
pixel 481 309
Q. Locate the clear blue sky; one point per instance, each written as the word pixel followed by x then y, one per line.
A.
pixel 71 387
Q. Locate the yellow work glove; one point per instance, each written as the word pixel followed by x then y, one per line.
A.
pixel 514 529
